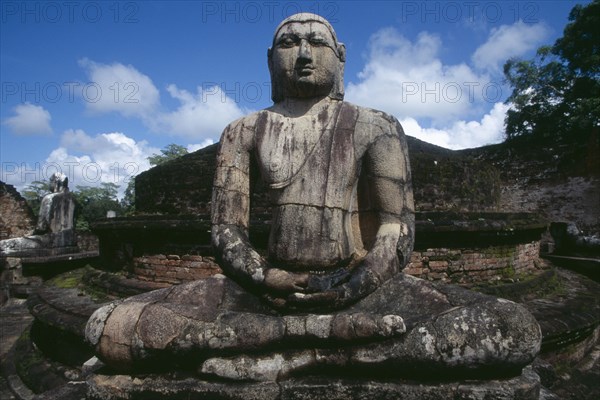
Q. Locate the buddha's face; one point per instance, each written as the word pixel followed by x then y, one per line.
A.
pixel 58 183
pixel 305 59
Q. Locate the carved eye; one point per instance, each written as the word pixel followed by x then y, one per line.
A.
pixel 287 42
pixel 317 41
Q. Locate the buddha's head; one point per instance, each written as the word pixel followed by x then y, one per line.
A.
pixel 306 60
pixel 59 182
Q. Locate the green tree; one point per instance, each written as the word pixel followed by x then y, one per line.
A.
pixel 171 152
pixel 34 193
pixel 558 92
pixel 94 202
pixel 580 44
pixel 128 200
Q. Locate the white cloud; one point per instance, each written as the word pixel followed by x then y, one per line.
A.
pixel 199 116
pixel 409 80
pixel 197 146
pixel 462 134
pixel 455 106
pixel 29 119
pixel 120 88
pixel 88 160
pixel 129 92
pixel 107 157
pixel 19 175
pixel 508 41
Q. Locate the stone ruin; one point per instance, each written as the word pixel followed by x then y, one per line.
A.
pixel 54 232
pixel 43 244
pixel 202 335
pixel 16 217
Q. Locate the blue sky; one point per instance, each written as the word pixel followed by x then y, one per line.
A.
pixel 93 88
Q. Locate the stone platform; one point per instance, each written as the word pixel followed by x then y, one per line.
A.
pixel 566 305
pixel 587 266
pixel 104 387
pixel 21 275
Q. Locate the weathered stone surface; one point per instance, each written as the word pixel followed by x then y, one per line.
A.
pixel 54 227
pixel 15 319
pixel 115 387
pixel 559 180
pixel 16 217
pixel 481 334
pixel 65 309
pixel 523 387
pixel 329 294
pixel 569 316
pixel 574 385
pixel 569 240
pixel 57 208
pixel 478 264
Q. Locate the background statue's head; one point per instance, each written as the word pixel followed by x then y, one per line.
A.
pixel 59 182
pixel 306 60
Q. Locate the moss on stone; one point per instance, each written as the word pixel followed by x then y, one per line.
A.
pixel 68 280
pixel 76 280
pixel 508 272
pixel 554 287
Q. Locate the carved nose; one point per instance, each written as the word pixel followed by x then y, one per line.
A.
pixel 304 52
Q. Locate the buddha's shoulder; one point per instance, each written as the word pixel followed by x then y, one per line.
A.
pixel 370 120
pixel 247 122
pixel 372 116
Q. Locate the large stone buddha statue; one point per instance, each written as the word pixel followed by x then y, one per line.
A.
pixel 329 292
pixel 54 233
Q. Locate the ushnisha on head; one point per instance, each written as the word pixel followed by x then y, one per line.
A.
pixel 59 182
pixel 306 60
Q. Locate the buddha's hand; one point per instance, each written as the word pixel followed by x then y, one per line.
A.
pixel 284 282
pixel 335 297
pixel 371 273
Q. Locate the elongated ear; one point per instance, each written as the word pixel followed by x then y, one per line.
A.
pixel 342 51
pixel 276 90
pixel 337 92
pixel 270 60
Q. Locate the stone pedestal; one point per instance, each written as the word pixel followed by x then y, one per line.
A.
pixel 104 387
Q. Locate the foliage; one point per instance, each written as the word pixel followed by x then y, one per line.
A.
pixel 34 193
pixel 557 93
pixel 94 202
pixel 580 44
pixel 171 152
pixel 128 200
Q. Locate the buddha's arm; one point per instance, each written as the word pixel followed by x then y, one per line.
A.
pixel 387 170
pixel 230 218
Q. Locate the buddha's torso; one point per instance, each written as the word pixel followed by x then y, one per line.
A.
pixel 309 165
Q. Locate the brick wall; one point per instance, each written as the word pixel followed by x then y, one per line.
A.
pixel 505 262
pixel 87 241
pixel 174 269
pixel 461 248
pixel 16 217
pixel 497 263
